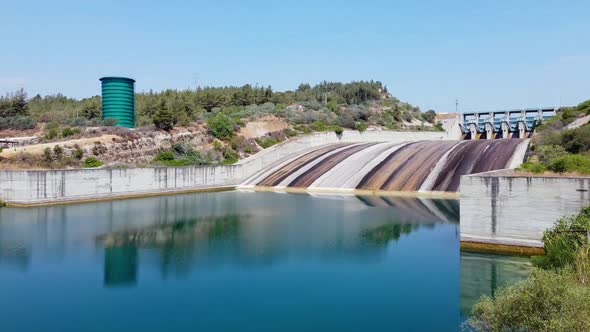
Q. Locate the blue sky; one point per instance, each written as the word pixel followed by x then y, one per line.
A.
pixel 489 54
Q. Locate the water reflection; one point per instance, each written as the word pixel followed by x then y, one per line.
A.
pixel 341 263
pixel 244 228
pixel 485 274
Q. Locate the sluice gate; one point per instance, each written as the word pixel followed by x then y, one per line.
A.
pixel 503 124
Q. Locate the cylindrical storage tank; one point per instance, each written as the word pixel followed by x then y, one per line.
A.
pixel 118 100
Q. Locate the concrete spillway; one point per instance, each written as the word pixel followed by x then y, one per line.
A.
pixel 413 166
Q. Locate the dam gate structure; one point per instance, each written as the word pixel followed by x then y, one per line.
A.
pixel 503 124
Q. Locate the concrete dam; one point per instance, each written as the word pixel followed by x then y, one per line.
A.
pixel 422 166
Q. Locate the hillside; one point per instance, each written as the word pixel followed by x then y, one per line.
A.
pixel 562 144
pixel 193 127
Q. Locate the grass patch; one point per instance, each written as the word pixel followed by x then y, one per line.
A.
pixel 92 162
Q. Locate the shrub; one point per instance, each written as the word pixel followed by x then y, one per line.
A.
pixel 346 120
pixel 554 298
pixel 548 153
pixel 563 241
pixel 361 127
pixel 267 142
pixel 230 156
pixel 78 152
pixel 59 152
pixel 164 156
pixel 23 122
pixel 571 163
pixel 180 149
pixel 289 132
pixel 92 162
pixel 67 132
pixel 576 140
pixel 338 131
pixel 221 126
pixel 429 116
pixel 533 167
pixel 320 126
pixel 47 157
pixel 547 301
pixel 52 134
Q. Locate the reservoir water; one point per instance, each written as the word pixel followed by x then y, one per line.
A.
pixel 242 261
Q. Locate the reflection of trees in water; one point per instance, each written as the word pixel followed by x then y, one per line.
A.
pixel 181 246
pixel 176 234
pixel 177 244
pixel 485 274
pixel 382 235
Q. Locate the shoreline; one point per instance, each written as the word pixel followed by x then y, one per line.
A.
pixel 117 197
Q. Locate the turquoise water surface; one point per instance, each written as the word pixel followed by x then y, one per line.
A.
pixel 241 261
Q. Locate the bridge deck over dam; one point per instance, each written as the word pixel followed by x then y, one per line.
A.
pixel 422 166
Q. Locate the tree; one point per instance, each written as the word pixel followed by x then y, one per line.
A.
pixel 14 104
pixel 164 118
pixel 20 102
pixel 91 109
pixel 429 116
pixel 221 126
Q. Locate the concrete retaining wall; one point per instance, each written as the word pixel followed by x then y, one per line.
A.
pixel 32 187
pixel 501 208
pixel 49 186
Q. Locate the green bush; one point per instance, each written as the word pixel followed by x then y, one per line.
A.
pixel 361 127
pixel 571 163
pixel 533 167
pixel 547 301
pixel 576 140
pixel 92 162
pixel 563 241
pixel 338 131
pixel 320 126
pixel 429 116
pixel 221 126
pixel 289 132
pixel 556 297
pixel 267 142
pixel 52 134
pixel 165 156
pixel 548 153
pixel 17 122
pixel 231 156
pixel 67 132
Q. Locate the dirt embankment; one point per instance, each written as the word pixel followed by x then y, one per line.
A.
pixel 262 127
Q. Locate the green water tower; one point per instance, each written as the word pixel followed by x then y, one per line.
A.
pixel 118 100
